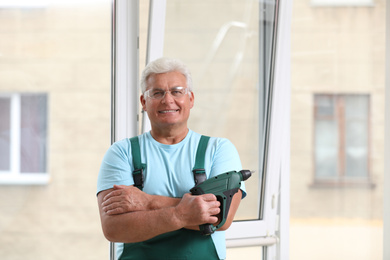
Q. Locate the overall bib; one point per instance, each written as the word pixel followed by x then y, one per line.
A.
pixel 181 244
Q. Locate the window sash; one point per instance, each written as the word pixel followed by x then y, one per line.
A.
pixel 253 232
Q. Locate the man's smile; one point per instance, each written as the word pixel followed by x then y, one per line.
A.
pixel 168 111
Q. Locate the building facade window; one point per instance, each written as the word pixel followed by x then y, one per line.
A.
pixel 341 141
pixel 23 138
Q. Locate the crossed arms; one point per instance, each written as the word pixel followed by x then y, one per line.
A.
pixel 129 215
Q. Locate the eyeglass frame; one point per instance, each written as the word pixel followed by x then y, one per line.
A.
pixel 186 91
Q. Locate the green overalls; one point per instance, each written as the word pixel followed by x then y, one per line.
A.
pixel 183 244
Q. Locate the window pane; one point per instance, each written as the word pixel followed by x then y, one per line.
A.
pixel 326 137
pixel 326 149
pixel 5 138
pixel 356 141
pixel 221 48
pixel 325 105
pixel 33 133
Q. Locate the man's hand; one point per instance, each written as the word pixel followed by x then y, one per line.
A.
pixel 125 199
pixel 197 210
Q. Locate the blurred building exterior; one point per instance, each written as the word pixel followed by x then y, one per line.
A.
pixel 63 52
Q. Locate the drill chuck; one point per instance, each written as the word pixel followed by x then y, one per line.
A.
pixel 245 174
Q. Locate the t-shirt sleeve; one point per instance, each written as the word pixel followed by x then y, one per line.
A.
pixel 225 158
pixel 115 167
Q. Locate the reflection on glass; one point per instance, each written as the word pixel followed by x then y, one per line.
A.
pixel 228 52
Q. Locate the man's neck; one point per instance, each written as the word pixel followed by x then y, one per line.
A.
pixel 169 136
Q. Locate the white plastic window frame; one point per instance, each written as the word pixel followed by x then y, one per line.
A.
pixel 386 189
pixel 125 63
pixel 14 176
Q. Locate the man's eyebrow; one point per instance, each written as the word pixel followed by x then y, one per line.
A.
pixel 178 86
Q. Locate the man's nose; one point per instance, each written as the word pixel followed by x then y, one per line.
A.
pixel 167 97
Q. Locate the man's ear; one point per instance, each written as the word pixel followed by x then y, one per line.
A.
pixel 143 102
pixel 192 99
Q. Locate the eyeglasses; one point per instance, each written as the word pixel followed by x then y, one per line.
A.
pixel 176 92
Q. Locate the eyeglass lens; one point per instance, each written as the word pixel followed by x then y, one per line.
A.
pixel 176 92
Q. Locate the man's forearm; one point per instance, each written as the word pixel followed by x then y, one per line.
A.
pixel 140 225
pixel 147 215
pixel 162 215
pixel 159 202
pixel 123 199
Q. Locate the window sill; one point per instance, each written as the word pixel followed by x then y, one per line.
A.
pixel 322 184
pixel 24 179
pixel 342 3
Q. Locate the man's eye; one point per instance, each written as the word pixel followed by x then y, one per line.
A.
pixel 157 93
pixel 177 92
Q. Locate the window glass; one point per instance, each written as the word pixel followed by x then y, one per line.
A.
pixel 325 106
pixel 5 138
pixel 326 148
pixel 356 141
pixel 33 133
pixel 222 50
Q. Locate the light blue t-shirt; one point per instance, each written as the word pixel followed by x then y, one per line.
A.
pixel 169 168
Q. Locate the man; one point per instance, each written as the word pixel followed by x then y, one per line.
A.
pixel 162 221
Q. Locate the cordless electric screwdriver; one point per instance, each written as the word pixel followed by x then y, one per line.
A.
pixel 223 186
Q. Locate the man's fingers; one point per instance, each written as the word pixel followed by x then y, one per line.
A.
pixel 211 200
pixel 118 191
pixel 110 206
pixel 215 204
pixel 209 197
pixel 115 197
pixel 113 193
pixel 118 187
pixel 215 211
pixel 110 201
pixel 115 211
pixel 213 220
pixel 115 208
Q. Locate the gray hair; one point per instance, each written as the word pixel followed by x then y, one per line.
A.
pixel 164 65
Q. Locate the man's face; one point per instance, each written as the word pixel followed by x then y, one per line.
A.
pixel 168 111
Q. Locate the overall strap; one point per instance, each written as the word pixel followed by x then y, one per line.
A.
pixel 198 170
pixel 138 176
